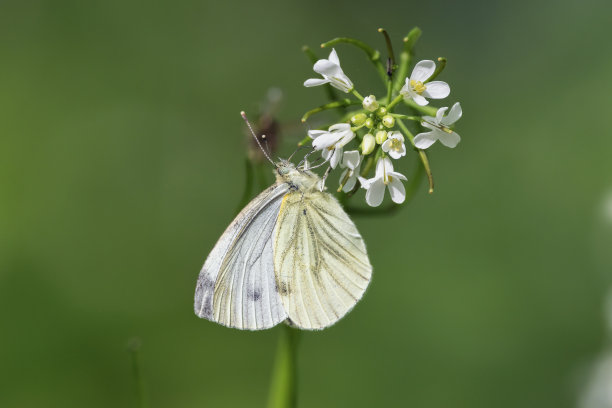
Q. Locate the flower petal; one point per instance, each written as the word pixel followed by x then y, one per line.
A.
pixel 386 145
pixel 396 155
pixel 351 159
pixel 397 175
pixel 436 90
pixel 345 137
pixel 341 82
pixel 405 90
pixel 397 191
pixel 424 140
pixel 327 68
pixel 383 165
pixel 336 157
pixel 453 116
pixel 449 139
pixel 375 193
pixel 440 115
pixel 423 70
pixel 366 183
pixel 350 183
pixel 333 57
pixel 324 141
pixel 344 173
pixel 316 133
pixel 419 100
pixel 340 126
pixel 315 82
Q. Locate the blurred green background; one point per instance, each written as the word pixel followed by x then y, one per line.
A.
pixel 121 162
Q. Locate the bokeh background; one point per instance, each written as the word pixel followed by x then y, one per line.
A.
pixel 121 162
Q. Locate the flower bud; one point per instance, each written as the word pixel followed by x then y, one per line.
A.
pixel 358 119
pixel 388 121
pixel 382 111
pixel 381 136
pixel 369 123
pixel 370 103
pixel 368 144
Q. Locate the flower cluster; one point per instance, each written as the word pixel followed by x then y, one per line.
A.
pixel 377 132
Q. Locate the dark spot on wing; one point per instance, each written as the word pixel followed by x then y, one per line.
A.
pixel 207 310
pixel 283 288
pixel 304 211
pixel 204 296
pixel 204 282
pixel 254 295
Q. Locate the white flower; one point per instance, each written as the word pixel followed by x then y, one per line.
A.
pixel 332 74
pixel 352 161
pixel 370 103
pixel 332 141
pixel 394 145
pixel 439 128
pixel 385 176
pixel 416 89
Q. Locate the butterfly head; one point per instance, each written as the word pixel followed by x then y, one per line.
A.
pixel 287 172
pixel 284 167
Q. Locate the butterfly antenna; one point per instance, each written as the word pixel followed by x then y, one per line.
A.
pixel 256 138
pixel 266 145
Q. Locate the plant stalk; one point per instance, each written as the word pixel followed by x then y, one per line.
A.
pixel 283 387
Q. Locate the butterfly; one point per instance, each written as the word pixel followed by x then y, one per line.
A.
pixel 292 254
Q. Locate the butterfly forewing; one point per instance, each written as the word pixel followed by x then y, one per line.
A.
pixel 236 286
pixel 320 260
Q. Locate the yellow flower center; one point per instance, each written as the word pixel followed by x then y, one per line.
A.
pixel 418 86
pixel 396 145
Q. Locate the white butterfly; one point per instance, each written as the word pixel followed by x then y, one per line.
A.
pixel 291 254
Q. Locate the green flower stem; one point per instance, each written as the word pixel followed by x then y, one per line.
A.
pixel 336 104
pixel 357 94
pixel 394 102
pixel 389 89
pixel 312 57
pixel 283 388
pixel 373 55
pixel 439 68
pixel 134 350
pixel 405 57
pixel 389 50
pixel 331 94
pixel 400 116
pixel 422 155
pixel 304 141
pixel 427 110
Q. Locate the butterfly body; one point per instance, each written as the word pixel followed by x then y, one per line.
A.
pixel 291 254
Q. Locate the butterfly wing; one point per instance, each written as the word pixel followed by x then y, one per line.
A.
pixel 236 286
pixel 320 260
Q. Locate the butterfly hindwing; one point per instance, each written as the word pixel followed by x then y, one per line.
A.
pixel 320 260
